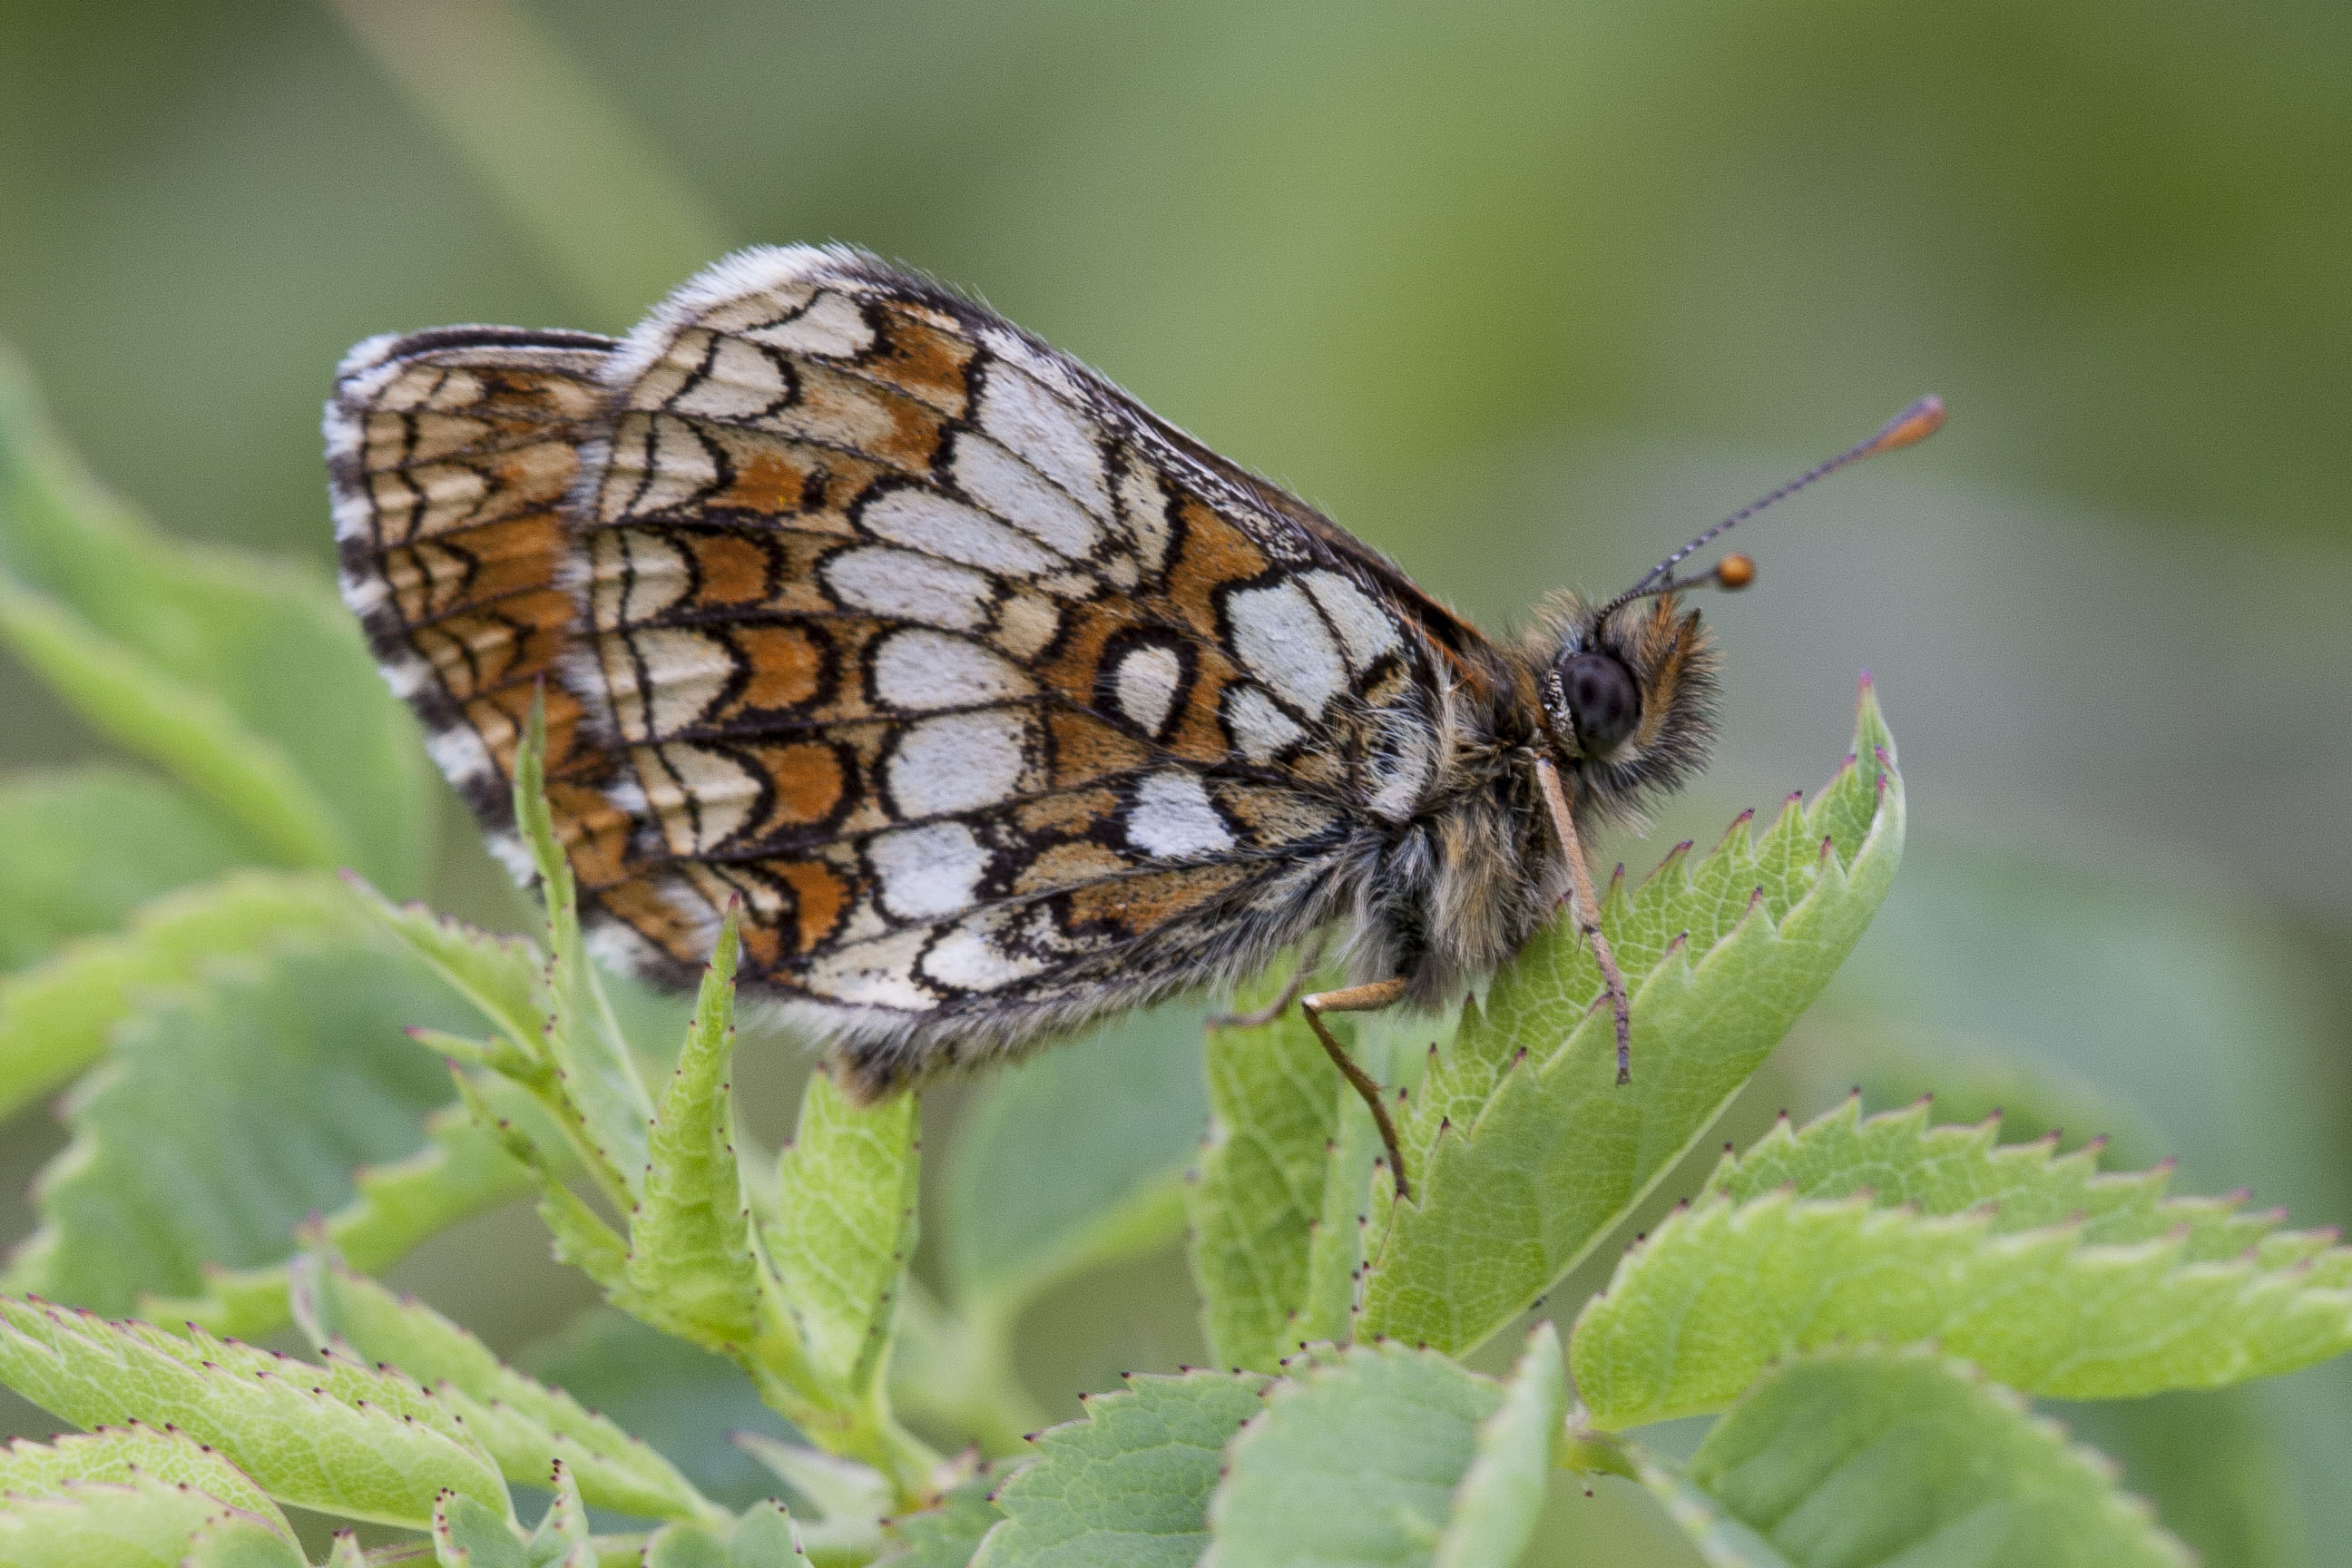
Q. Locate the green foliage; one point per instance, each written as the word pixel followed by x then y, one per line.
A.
pixel 1870 1455
pixel 1128 1482
pixel 1519 1120
pixel 1865 1302
pixel 241 677
pixel 88 846
pixel 2054 1279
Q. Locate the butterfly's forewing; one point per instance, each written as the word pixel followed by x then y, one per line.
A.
pixel 997 703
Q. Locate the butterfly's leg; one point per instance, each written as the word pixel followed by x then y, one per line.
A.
pixel 1587 909
pixel 1258 1017
pixel 1370 999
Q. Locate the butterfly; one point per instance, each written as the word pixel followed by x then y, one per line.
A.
pixel 994 703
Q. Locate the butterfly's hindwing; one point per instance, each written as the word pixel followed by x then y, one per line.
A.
pixel 996 702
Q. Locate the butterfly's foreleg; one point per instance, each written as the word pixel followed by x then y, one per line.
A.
pixel 1361 999
pixel 1586 907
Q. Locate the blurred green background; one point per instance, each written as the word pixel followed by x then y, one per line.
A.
pixel 1524 294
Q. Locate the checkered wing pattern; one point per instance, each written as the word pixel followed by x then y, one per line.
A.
pixel 996 702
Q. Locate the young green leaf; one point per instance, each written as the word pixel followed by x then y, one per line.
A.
pixel 946 1535
pixel 842 1228
pixel 1899 1159
pixel 602 1090
pixel 243 675
pixel 1494 1511
pixel 689 1247
pixel 765 1537
pixel 1127 1482
pixel 1524 1149
pixel 88 846
pixel 227 1114
pixel 469 1534
pixel 682 1400
pixel 1874 1455
pixel 1260 1200
pixel 1355 1459
pixel 1121 1113
pixel 55 1018
pixel 525 1426
pixel 141 1523
pixel 119 1454
pixel 1721 1290
pixel 505 977
pixel 842 1501
pixel 337 1438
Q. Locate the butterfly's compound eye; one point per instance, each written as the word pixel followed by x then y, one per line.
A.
pixel 1602 701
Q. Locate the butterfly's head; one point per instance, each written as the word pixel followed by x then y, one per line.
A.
pixel 1629 687
pixel 1629 697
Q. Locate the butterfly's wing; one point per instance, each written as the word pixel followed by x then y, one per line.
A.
pixel 996 704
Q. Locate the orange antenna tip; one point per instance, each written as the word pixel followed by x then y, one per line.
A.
pixel 1736 571
pixel 1913 426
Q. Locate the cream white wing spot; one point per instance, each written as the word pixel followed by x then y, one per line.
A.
pixel 974 955
pixel 461 756
pixel 1013 491
pixel 1143 508
pixel 922 873
pixel 1145 684
pixel 656 463
pixel 1365 630
pixel 1048 434
pixel 663 678
pixel 1173 818
pixel 700 796
pixel 905 586
pixel 1282 639
pixel 1025 623
pixel 958 761
pixel 1258 728
pixel 926 521
pixel 739 381
pixel 919 670
pixel 633 576
pixel 879 973
pixel 833 326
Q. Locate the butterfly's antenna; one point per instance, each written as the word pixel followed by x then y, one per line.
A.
pixel 1915 424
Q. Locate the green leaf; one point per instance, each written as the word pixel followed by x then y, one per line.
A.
pixel 1897 1159
pixel 1868 1456
pixel 1073 1159
pixel 1356 1461
pixel 338 1438
pixel 226 1115
pixel 525 1426
pixel 505 977
pixel 690 1244
pixel 80 848
pixel 234 1541
pixel 682 1400
pixel 842 1228
pixel 1495 1509
pixel 946 1535
pixel 142 1523
pixel 183 729
pixel 846 1500
pixel 467 1533
pixel 1260 1201
pixel 121 1454
pixel 245 677
pixel 1128 1482
pixel 55 1018
pixel 602 1090
pixel 1722 1289
pixel 1525 1151
pixel 765 1537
